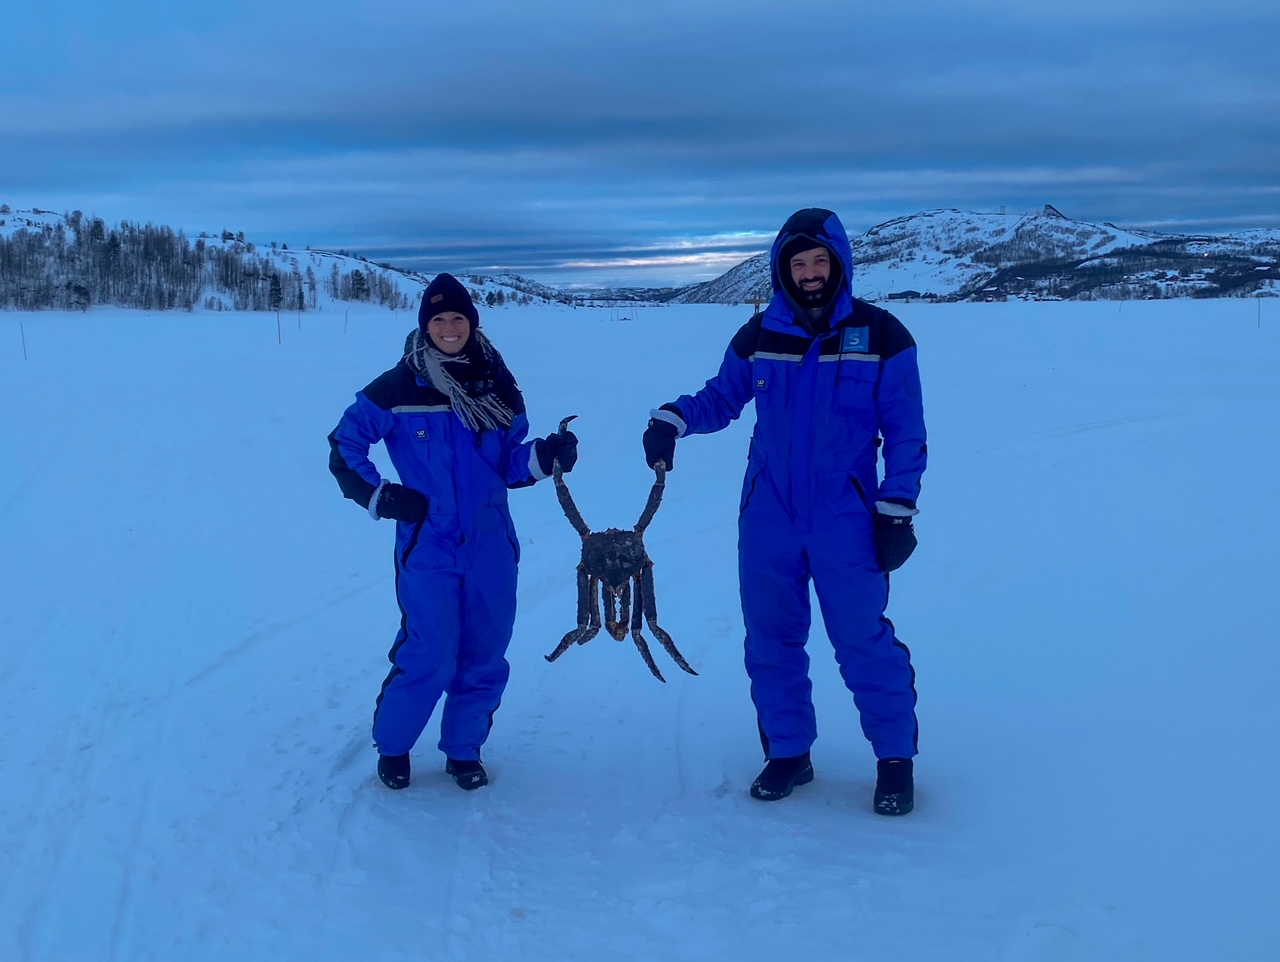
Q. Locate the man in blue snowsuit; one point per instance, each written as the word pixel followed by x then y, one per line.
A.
pixel 834 380
pixel 454 424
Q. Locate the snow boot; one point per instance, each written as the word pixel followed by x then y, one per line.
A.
pixel 780 775
pixel 394 770
pixel 469 775
pixel 895 786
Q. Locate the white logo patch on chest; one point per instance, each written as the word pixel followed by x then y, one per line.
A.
pixel 855 340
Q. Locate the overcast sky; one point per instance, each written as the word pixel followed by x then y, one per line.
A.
pixel 653 142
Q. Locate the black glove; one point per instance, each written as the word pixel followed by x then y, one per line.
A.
pixel 895 540
pixel 399 503
pixel 557 447
pixel 660 439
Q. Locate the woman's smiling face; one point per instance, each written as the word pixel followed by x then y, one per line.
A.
pixel 449 331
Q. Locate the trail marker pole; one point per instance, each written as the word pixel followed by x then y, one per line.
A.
pixel 279 333
pixel 22 329
pixel 346 316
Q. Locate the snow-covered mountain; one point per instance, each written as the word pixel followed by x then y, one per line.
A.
pixel 961 255
pixel 72 261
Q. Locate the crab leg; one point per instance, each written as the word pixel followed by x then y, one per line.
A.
pixel 637 614
pixel 566 503
pixel 646 655
pixel 650 603
pixel 588 616
pixel 593 603
pixel 655 498
pixel 562 491
pixel 636 625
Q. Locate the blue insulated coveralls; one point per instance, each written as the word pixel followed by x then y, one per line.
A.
pixel 825 402
pixel 455 571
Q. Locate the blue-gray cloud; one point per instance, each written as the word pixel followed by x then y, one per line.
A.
pixel 591 139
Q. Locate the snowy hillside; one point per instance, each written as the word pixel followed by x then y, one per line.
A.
pixel 12 221
pixel 50 260
pixel 953 254
pixel 515 288
pixel 948 251
pixel 195 625
pixel 46 262
pixel 741 284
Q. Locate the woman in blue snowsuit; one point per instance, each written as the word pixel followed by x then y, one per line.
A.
pixel 834 378
pixel 454 424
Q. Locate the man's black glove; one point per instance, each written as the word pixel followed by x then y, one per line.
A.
pixel 660 443
pixel 399 503
pixel 660 439
pixel 557 447
pixel 895 540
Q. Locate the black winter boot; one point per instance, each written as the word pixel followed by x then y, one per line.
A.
pixel 469 775
pixel 895 786
pixel 394 770
pixel 780 775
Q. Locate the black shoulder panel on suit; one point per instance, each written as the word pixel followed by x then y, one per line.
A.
pixel 745 341
pixel 393 388
pixel 889 336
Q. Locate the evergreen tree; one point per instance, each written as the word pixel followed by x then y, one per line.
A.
pixel 359 286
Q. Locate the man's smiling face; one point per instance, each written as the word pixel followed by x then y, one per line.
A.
pixel 810 271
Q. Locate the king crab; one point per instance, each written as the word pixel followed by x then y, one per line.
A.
pixel 614 563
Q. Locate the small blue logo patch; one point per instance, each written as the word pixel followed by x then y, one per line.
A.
pixel 760 383
pixel 421 433
pixel 856 340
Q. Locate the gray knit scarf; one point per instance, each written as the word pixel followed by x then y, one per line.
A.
pixel 478 409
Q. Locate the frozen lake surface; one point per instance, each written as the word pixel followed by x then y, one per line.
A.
pixel 195 624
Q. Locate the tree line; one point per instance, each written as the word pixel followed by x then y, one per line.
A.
pixel 82 261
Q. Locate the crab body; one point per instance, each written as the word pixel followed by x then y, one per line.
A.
pixel 614 556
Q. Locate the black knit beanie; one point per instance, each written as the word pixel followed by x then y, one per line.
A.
pixel 444 294
pixel 798 245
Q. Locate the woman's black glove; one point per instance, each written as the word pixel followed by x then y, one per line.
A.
pixel 399 503
pixel 895 540
pixel 558 446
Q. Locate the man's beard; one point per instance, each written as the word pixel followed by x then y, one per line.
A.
pixel 816 297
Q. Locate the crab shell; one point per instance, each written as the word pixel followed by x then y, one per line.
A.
pixel 614 556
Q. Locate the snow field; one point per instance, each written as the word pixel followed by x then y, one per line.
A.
pixel 195 624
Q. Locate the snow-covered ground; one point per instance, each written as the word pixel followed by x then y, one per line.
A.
pixel 194 626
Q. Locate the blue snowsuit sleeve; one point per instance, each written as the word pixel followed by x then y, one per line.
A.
pixel 900 411
pixel 725 395
pixel 518 456
pixel 363 425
